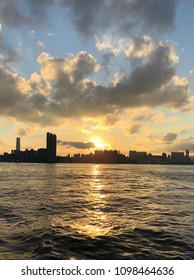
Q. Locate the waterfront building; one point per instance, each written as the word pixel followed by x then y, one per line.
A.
pixel 18 144
pixel 106 156
pixel 187 153
pixel 177 157
pixel 51 146
pixel 138 157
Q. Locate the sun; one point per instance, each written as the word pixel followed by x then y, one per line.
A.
pixel 98 143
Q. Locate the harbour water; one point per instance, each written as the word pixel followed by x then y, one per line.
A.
pixel 88 211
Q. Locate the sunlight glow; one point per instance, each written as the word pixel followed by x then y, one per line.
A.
pixel 98 143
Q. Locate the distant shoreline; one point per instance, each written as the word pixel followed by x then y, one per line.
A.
pixel 95 163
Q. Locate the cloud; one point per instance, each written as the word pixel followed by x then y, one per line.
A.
pixel 140 46
pixel 39 10
pixel 149 116
pixel 24 131
pixel 21 132
pixel 71 68
pixel 85 14
pixel 12 55
pixel 135 128
pixel 170 137
pixel 64 88
pixel 41 46
pixel 1 31
pixel 8 53
pixel 183 145
pixel 32 33
pixel 109 48
pixel 94 17
pixel 107 44
pixel 153 138
pixel 78 145
pixel 111 119
pixel 91 17
pixel 24 13
pixel 23 106
pixel 10 12
pixel 189 106
pixel 106 59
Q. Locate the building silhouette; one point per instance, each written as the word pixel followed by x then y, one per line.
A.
pixel 18 144
pixel 51 147
pixel 177 157
pixel 49 155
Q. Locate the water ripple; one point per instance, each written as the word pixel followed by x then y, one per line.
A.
pixel 77 211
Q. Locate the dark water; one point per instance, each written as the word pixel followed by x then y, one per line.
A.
pixel 77 211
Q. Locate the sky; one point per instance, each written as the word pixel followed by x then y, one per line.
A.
pixel 103 74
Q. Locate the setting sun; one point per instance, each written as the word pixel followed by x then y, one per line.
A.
pixel 99 143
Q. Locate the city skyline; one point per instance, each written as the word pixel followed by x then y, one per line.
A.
pixel 48 154
pixel 98 74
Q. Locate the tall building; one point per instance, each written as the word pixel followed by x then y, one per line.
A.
pixel 18 144
pixel 177 157
pixel 51 146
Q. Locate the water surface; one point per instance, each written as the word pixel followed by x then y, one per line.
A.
pixel 88 211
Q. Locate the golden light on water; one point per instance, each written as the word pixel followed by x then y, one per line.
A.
pixel 93 231
pixel 94 218
pixel 96 223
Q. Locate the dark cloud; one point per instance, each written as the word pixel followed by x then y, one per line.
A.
pixel 11 55
pixel 23 107
pixel 78 145
pixel 149 84
pixel 182 145
pixel 93 17
pixel 63 89
pixel 16 13
pixel 156 71
pixel 8 53
pixel 145 117
pixel 106 59
pixel 135 128
pixel 12 14
pixel 86 14
pixel 111 119
pixel 153 14
pixel 39 10
pixel 84 65
pixel 24 131
pixel 170 137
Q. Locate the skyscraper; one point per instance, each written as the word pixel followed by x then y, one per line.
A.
pixel 18 144
pixel 51 146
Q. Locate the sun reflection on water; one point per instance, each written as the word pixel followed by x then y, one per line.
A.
pixel 96 221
